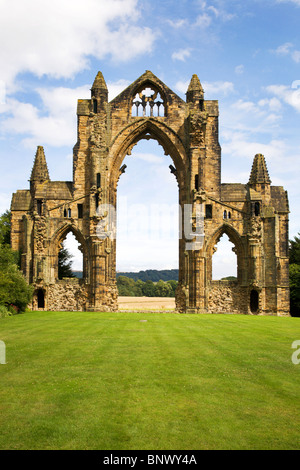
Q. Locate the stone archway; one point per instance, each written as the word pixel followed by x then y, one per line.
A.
pixel 239 249
pixel 56 244
pixel 227 295
pixel 125 141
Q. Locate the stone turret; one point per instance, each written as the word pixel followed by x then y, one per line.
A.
pixel 40 172
pixel 99 93
pixel 195 92
pixel 259 177
pixel 259 172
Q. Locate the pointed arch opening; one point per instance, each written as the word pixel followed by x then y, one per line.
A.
pixel 230 261
pixel 148 129
pixel 140 136
pixel 224 260
pixel 69 253
pixel 70 258
pixel 147 210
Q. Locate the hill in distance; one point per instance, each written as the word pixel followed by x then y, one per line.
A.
pixel 149 274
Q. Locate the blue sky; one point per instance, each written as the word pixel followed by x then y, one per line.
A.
pixel 246 54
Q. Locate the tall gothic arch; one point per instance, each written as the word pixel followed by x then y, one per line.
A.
pixel 256 213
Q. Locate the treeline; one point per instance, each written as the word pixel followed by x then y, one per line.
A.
pixel 130 287
pixel 153 275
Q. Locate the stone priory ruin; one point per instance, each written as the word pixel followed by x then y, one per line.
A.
pixel 254 215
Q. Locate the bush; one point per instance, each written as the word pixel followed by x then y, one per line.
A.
pixel 4 312
pixel 15 293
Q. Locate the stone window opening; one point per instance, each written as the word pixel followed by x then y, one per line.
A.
pixel 40 298
pixel 80 211
pixel 148 103
pixel 256 209
pixel 197 182
pixel 254 301
pixel 208 211
pixel 69 212
pixel 39 205
pixel 98 180
pixel 97 200
pixel 225 215
pixel 95 106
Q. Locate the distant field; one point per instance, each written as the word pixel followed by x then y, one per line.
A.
pixel 146 303
pixel 149 381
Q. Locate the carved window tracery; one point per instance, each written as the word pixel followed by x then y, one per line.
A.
pixel 148 102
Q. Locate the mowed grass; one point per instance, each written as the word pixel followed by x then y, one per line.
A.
pixel 149 381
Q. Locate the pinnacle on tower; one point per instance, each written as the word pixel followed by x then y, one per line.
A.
pixel 259 172
pixel 195 90
pixel 99 82
pixel 40 171
pixel 99 89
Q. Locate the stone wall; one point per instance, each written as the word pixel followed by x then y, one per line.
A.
pixel 67 295
pixel 227 297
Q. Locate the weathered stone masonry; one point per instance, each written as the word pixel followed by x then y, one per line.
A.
pixel 253 215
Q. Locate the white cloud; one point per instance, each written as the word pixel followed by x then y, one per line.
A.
pixel 177 23
pixel 211 89
pixel 273 104
pixel 148 157
pixel 203 21
pixel 54 124
pixel 182 54
pixel 287 49
pixel 115 88
pixel 287 94
pixel 57 37
pixel 284 49
pixel 239 69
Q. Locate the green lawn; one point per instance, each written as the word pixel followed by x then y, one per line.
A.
pixel 112 381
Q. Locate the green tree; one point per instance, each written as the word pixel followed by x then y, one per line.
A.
pixel 295 289
pixel 125 286
pixel 64 263
pixel 149 288
pixel 294 271
pixel 173 285
pixel 5 228
pixel 15 293
pixel 294 250
pixel 162 289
